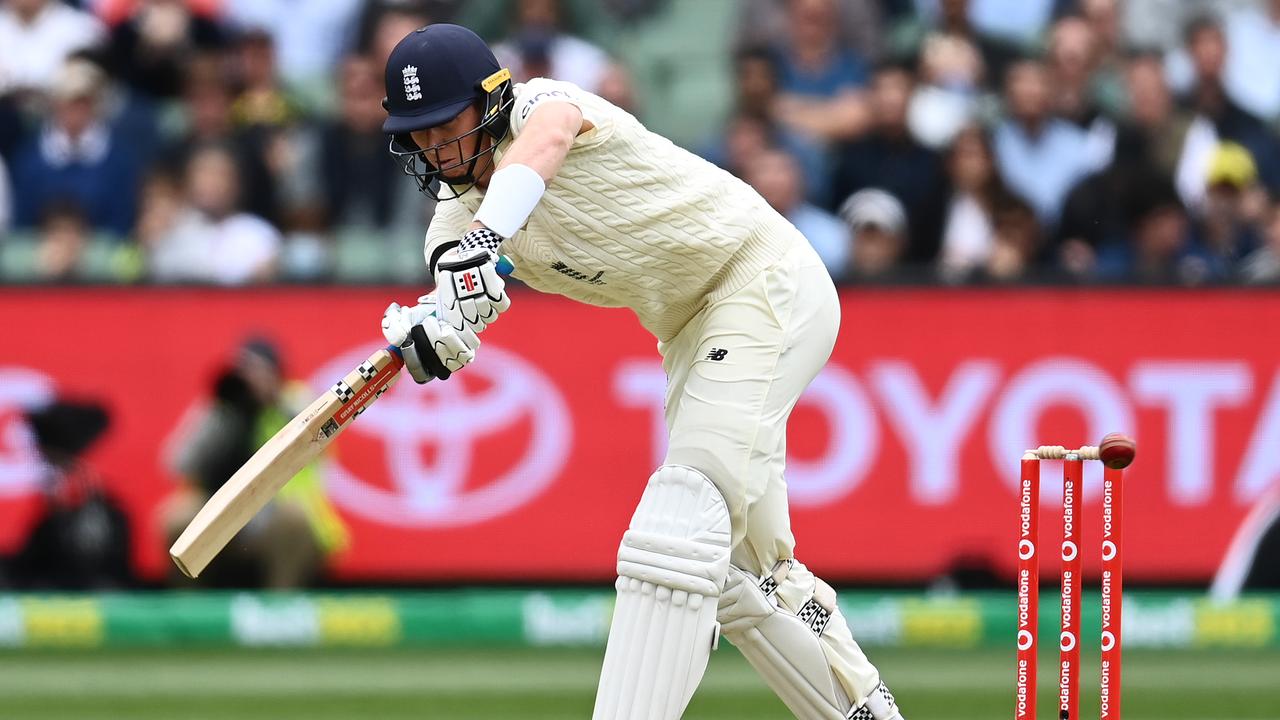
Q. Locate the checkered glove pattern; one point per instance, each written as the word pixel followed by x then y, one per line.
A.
pixel 470 292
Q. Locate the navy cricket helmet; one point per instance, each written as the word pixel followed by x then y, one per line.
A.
pixel 433 75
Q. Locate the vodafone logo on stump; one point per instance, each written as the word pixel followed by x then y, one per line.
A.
pixel 431 438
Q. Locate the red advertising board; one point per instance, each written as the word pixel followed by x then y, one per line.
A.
pixel 526 466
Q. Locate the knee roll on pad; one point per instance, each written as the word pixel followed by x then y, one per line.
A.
pixel 672 566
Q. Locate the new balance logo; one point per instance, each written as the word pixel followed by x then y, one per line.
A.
pixel 717 354
pixel 579 276
pixel 412 90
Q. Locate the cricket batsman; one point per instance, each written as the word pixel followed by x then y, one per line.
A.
pixel 589 204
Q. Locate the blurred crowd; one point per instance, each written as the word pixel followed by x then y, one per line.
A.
pixel 954 141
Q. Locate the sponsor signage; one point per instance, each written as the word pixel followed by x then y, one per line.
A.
pixel 903 456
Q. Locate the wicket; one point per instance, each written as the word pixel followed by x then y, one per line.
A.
pixel 1029 583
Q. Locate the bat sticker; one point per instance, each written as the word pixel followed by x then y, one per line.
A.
pixel 343 391
pixel 329 428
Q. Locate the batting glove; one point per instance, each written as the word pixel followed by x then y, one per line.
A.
pixel 432 349
pixel 470 292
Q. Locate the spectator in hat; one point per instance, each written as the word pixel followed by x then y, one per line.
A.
pixel 80 540
pixel 776 176
pixel 77 155
pixel 878 224
pixel 1234 205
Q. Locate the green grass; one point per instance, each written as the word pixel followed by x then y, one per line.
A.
pixel 558 683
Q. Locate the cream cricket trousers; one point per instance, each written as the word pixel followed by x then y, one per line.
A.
pixel 734 373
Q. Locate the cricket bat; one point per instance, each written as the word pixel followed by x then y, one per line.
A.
pixel 283 456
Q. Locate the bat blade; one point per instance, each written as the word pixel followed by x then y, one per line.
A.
pixel 274 464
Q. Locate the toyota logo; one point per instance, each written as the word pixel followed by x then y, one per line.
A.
pixel 470 449
pixel 20 464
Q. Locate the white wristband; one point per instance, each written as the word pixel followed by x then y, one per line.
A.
pixel 513 193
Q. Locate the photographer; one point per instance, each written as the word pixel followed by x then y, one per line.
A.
pixel 285 545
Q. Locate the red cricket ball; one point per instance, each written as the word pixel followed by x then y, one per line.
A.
pixel 1117 450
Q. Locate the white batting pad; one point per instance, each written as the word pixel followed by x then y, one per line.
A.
pixel 786 648
pixel 672 564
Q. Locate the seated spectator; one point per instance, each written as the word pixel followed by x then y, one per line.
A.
pixel 968 236
pixel 287 544
pixel 1107 79
pixel 1208 98
pixel 859 23
pixel 1160 247
pixel 951 18
pixel 1016 242
pixel 358 176
pixel 77 155
pixel 949 89
pixel 618 87
pixel 311 37
pixel 1096 215
pixel 820 80
pixel 64 234
pixel 751 128
pixel 267 119
pixel 389 22
pixel 37 37
pixel 206 119
pixel 1072 64
pixel 1234 206
pixel 151 48
pixel 1263 265
pixel 6 199
pixel 888 157
pixel 1040 156
pixel 776 176
pixel 538 47
pixel 878 224
pixel 1155 130
pixel 208 238
pixel 1020 22
pixel 1252 72
pixel 80 540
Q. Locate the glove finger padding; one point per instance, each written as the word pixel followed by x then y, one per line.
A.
pixel 431 348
